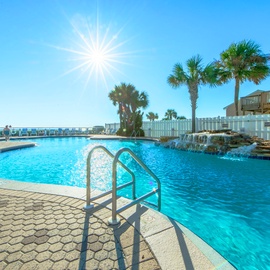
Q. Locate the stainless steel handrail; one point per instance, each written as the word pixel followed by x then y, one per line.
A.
pixel 114 220
pixel 88 178
pixel 136 133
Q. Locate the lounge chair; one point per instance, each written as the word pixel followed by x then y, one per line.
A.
pixel 24 132
pixel 52 132
pixel 66 131
pixel 42 132
pixel 13 132
pixel 73 131
pixel 60 131
pixel 33 132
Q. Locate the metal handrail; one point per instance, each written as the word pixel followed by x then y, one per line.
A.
pixel 88 178
pixel 136 133
pixel 114 220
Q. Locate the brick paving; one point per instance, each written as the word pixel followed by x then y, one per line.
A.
pixel 43 231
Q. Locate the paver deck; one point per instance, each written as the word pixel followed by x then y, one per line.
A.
pixel 43 231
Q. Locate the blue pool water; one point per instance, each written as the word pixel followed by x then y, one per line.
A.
pixel 224 200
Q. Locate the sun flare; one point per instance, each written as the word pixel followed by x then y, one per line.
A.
pixel 96 53
pixel 98 57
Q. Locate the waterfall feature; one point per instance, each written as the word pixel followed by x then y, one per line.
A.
pixel 230 143
pixel 243 150
pixel 203 142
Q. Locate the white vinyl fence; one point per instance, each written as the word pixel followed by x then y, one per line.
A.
pixel 253 125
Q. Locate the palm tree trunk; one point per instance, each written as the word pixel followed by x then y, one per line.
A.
pixel 236 95
pixel 193 109
pixel 120 115
pixel 193 91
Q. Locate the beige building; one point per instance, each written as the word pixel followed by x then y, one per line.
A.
pixel 257 102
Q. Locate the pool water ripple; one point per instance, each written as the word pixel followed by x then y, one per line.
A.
pixel 224 200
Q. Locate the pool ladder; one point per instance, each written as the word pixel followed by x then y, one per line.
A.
pixel 114 219
pixel 135 133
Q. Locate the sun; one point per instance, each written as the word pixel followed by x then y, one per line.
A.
pixel 95 52
pixel 98 57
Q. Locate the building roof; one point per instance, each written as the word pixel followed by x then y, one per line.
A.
pixel 251 94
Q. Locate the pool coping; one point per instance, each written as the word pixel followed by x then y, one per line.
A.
pixel 172 243
pixel 13 144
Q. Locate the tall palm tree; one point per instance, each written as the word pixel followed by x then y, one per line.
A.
pixel 129 100
pixel 170 114
pixel 195 76
pixel 152 116
pixel 243 61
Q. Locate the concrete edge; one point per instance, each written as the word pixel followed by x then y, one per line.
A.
pixel 17 146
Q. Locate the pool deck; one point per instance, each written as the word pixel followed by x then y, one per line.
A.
pixel 45 227
pixel 11 145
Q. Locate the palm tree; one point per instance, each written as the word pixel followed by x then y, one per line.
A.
pixel 152 116
pixel 182 117
pixel 170 114
pixel 195 76
pixel 243 61
pixel 129 100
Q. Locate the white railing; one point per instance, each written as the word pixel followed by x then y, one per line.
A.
pixel 43 131
pixel 253 125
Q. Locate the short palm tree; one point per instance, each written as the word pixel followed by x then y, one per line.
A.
pixel 129 101
pixel 182 117
pixel 152 116
pixel 170 114
pixel 243 61
pixel 195 76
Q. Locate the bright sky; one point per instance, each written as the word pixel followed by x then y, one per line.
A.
pixel 59 59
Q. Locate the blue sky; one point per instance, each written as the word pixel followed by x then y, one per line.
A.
pixel 45 79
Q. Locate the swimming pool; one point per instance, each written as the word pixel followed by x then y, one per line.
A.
pixel 223 200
